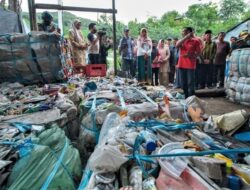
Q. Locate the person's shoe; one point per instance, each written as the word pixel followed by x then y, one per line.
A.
pixel 218 85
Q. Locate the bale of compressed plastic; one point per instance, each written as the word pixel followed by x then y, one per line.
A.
pixel 245 60
pixel 240 84
pixel 16 62
pixel 15 45
pixel 30 59
pixel 243 63
pixel 231 85
pixel 50 163
pixel 45 44
pixel 46 49
pixel 234 63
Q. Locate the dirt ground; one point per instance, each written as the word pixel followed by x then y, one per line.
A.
pixel 218 106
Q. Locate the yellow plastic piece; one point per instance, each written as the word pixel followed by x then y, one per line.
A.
pixel 228 161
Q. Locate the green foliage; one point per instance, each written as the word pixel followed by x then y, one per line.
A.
pixel 201 16
pixel 232 9
pixel 68 19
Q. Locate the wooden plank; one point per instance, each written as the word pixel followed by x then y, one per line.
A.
pixel 69 8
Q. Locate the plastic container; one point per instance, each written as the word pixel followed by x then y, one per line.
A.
pixel 173 166
pixel 96 70
pixel 234 182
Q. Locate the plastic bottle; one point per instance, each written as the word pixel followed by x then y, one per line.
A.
pixel 135 178
pixel 150 141
pixel 112 120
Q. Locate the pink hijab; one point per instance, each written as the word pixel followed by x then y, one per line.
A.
pixel 162 50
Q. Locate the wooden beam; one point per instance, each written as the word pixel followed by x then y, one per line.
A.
pixel 69 8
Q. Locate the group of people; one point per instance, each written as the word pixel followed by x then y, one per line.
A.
pixel 95 47
pixel 190 63
pixel 151 61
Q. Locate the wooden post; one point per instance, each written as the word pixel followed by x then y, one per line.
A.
pixel 32 14
pixel 114 36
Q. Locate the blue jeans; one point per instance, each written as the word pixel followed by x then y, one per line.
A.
pixel 188 81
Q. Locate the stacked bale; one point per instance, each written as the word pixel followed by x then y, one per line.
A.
pixel 238 81
pixel 30 59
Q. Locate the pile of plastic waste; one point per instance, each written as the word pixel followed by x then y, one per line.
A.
pixel 108 134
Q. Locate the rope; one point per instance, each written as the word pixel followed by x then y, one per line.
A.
pixel 85 180
pixel 92 111
pixel 154 124
pixel 56 167
pixel 145 96
pixel 202 153
pixel 121 99
pixel 28 143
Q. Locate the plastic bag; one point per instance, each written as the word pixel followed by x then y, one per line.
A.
pixel 107 158
pixel 231 121
pixel 33 170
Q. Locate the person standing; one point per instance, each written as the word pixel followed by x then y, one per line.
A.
pixel 94 44
pixel 125 48
pixel 144 49
pixel 189 48
pixel 206 67
pixel 105 45
pixel 48 25
pixel 233 41
pixel 173 60
pixel 78 43
pixel 223 49
pixel 164 55
pixel 169 42
pixel 155 64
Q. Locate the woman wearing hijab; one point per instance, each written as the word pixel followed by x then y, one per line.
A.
pixel 78 43
pixel 164 55
pixel 144 49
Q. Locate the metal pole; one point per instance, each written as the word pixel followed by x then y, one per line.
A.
pixel 32 14
pixel 60 21
pixel 114 36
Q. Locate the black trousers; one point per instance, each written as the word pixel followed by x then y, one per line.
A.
pixel 172 73
pixel 155 75
pixel 206 75
pixel 188 81
pixel 93 58
pixel 220 73
pixel 197 75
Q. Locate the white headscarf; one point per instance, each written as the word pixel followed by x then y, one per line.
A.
pixel 78 37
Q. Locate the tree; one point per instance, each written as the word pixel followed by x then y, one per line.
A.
pixel 202 16
pixel 232 9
